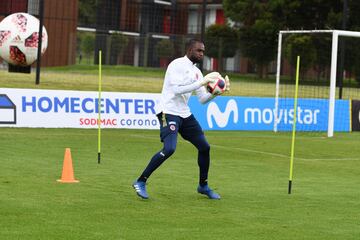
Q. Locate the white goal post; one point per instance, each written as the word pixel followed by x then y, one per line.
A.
pixel 334 51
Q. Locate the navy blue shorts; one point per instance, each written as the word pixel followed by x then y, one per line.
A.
pixel 171 124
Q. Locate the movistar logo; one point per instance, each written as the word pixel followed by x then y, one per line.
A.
pixel 222 118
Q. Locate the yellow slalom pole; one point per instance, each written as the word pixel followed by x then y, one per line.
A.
pixel 294 125
pixel 99 111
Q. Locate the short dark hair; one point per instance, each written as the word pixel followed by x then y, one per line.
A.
pixel 190 43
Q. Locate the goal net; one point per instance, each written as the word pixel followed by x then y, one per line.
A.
pixel 319 107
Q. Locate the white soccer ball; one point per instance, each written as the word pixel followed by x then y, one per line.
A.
pixel 19 35
pixel 218 87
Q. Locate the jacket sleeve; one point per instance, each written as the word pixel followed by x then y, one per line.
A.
pixel 203 95
pixel 178 89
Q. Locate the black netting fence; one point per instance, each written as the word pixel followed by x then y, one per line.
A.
pixel 151 33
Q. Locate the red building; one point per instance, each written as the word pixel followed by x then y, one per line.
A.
pixel 145 22
pixel 148 22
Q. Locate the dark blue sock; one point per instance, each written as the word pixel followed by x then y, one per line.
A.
pixel 203 147
pixel 204 163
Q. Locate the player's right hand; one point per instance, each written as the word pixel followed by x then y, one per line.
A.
pixel 210 78
pixel 227 82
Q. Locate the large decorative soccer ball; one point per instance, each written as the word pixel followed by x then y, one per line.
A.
pixel 216 88
pixel 19 35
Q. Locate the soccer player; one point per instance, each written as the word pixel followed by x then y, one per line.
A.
pixel 182 77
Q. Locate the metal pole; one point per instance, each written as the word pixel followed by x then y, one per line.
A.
pixel 41 18
pixel 277 89
pixel 342 50
pixel 202 36
pixel 173 16
pixel 334 52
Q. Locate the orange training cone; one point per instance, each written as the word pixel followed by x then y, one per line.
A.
pixel 67 175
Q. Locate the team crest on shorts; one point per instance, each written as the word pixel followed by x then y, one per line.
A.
pixel 172 127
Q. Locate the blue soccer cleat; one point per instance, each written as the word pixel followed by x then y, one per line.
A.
pixel 208 192
pixel 140 189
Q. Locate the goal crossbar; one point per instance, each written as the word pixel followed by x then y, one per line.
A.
pixel 334 50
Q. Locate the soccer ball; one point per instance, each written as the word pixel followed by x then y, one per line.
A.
pixel 216 88
pixel 19 35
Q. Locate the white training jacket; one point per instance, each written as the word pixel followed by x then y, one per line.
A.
pixel 182 77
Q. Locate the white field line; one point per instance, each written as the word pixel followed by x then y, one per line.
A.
pixel 250 150
pixel 273 154
pixel 285 156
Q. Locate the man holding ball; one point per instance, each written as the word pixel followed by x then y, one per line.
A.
pixel 182 77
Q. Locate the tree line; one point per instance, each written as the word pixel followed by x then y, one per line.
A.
pixel 259 21
pixel 254 27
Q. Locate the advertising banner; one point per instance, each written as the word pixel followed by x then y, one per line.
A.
pixel 79 109
pixel 250 113
pixel 76 109
pixel 355 122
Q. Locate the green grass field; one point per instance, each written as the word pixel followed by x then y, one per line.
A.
pixel 249 170
pixel 121 79
pixel 150 80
